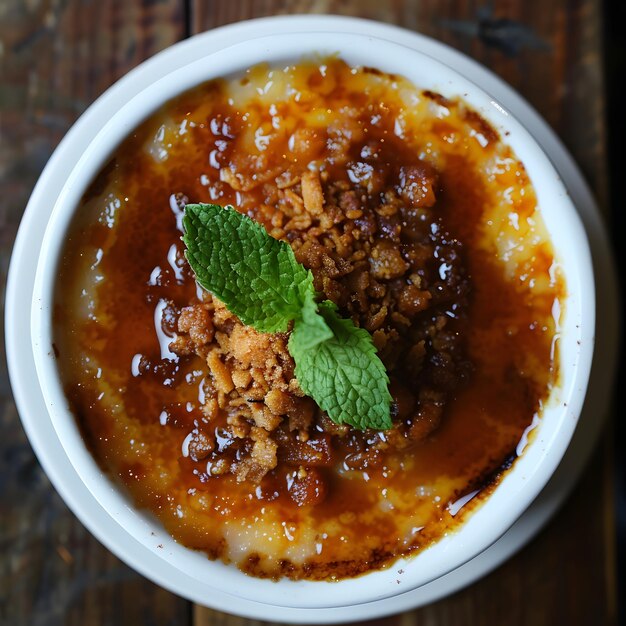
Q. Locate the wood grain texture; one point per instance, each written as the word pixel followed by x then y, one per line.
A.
pixel 56 57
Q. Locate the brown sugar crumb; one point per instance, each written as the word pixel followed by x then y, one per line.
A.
pixel 387 262
pixel 196 320
pixel 248 371
pixel 220 372
pixel 261 460
pixel 417 185
pixel 312 193
pixel 371 252
pixel 230 178
pixel 200 445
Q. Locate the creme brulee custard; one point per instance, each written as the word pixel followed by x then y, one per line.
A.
pixel 414 217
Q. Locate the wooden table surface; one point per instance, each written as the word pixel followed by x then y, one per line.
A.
pixel 56 57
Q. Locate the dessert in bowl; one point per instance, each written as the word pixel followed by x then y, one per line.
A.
pixel 424 212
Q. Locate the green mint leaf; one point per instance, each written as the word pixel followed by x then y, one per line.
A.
pixel 343 374
pixel 311 328
pixel 260 281
pixel 256 276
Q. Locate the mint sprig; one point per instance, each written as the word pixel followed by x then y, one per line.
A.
pixel 256 276
pixel 260 281
pixel 343 373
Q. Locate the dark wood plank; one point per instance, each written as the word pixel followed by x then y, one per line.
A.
pixel 551 53
pixel 57 57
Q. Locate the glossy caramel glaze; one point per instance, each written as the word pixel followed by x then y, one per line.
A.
pixel 123 282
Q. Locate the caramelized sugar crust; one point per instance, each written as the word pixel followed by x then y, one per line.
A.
pixel 414 217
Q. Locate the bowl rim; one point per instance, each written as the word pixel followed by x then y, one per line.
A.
pixel 337 22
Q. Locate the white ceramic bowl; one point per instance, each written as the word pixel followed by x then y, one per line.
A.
pixel 134 535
